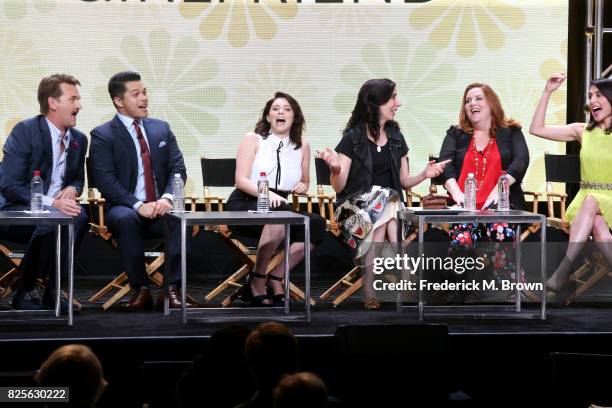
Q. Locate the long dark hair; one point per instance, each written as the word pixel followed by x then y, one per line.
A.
pixel 605 87
pixel 373 94
pixel 297 127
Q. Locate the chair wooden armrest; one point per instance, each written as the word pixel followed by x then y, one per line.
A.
pixel 192 203
pixel 558 223
pixel 410 194
pixel 533 193
pixel 97 226
pixel 295 197
pixel 417 194
pixel 555 194
pixel 208 200
pixel 326 205
pixel 536 199
pixel 549 199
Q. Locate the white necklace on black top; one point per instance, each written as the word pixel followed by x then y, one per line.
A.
pixel 378 147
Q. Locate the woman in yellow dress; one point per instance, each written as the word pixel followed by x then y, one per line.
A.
pixel 590 213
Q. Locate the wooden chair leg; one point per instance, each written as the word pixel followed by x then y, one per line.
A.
pixel 7 281
pixel 599 273
pixel 532 229
pixel 298 294
pixel 7 278
pixel 580 272
pixel 348 292
pixel 346 280
pixel 117 296
pixel 114 284
pixel 231 281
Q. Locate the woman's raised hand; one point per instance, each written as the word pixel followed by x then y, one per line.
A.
pixel 330 156
pixel 554 82
pixel 434 169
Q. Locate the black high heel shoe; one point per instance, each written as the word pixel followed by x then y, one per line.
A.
pixel 247 293
pixel 279 298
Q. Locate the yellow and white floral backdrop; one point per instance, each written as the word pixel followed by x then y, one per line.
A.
pixel 210 66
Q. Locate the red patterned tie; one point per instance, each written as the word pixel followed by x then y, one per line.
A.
pixel 146 164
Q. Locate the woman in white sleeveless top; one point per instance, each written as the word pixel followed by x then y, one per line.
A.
pixel 277 148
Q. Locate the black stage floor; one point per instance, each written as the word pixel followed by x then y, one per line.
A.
pixel 497 362
pixel 590 317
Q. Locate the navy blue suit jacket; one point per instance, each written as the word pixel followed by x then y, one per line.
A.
pixel 114 160
pixel 28 148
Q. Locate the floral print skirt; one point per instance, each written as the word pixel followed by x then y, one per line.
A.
pixel 499 247
pixel 361 214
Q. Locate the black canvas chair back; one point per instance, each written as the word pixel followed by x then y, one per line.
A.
pixel 436 181
pixel 90 180
pixel 322 171
pixel 562 168
pixel 218 172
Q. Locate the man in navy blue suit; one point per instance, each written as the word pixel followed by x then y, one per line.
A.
pixel 50 144
pixel 134 159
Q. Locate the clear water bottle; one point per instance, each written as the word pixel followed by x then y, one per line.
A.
pixel 503 192
pixel 469 200
pixel 178 193
pixel 36 193
pixel 263 194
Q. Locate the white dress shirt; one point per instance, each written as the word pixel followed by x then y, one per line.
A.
pixel 59 162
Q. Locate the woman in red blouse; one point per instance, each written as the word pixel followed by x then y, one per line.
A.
pixel 485 142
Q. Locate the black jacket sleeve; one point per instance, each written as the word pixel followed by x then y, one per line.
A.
pixel 519 153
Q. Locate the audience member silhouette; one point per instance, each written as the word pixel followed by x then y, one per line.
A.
pixel 271 351
pixel 74 366
pixel 219 375
pixel 300 390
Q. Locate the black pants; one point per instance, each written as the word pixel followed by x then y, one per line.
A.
pixel 130 229
pixel 39 259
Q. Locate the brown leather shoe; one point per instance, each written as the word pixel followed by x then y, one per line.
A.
pixel 141 300
pixel 174 300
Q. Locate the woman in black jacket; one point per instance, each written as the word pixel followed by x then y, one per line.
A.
pixel 485 143
pixel 369 169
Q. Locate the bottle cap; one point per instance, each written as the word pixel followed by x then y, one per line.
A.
pixel 262 174
pixel 470 174
pixel 36 173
